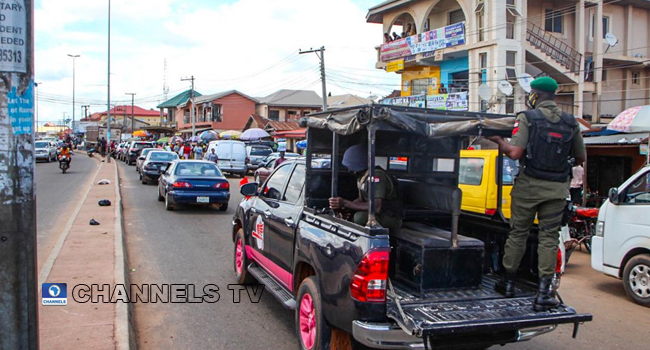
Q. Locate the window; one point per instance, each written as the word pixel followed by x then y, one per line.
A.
pixel 216 113
pixel 274 115
pixel 275 183
pixel 420 87
pixel 197 169
pixel 553 21
pixel 456 16
pixel 480 19
pixel 482 57
pixel 292 194
pixel 443 165
pixel 470 171
pixel 639 191
pixel 510 171
pixel 510 2
pixel 603 77
pixel 635 78
pixel 605 26
pixel 510 104
pixel 511 61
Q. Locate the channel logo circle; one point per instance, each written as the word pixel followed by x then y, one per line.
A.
pixel 54 291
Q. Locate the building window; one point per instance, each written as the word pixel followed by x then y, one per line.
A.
pixel 456 16
pixel 510 104
pixel 482 59
pixel 510 2
pixel 480 19
pixel 274 115
pixel 603 76
pixel 420 86
pixel 553 21
pixel 605 26
pixel 511 62
pixel 292 115
pixel 216 116
pixel 635 78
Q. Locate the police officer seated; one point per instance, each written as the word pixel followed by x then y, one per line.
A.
pixel 388 211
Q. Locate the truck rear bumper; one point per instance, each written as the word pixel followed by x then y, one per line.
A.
pixel 391 336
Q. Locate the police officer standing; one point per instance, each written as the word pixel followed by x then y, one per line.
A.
pixel 544 139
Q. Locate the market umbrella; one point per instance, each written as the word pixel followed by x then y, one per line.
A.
pixel 163 140
pixel 230 134
pixel 254 134
pixel 175 139
pixel 195 139
pixel 209 135
pixel 140 133
pixel 635 119
pixel 301 144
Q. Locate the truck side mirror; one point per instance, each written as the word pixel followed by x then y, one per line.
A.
pixel 613 195
pixel 249 189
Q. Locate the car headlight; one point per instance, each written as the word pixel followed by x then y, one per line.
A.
pixel 600 228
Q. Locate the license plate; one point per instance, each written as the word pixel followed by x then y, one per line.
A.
pixel 203 199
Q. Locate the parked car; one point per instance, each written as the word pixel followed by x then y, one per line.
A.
pixel 193 182
pixel 232 156
pixel 123 150
pixel 155 162
pixel 427 284
pixel 134 150
pixel 256 153
pixel 141 158
pixel 621 245
pixel 45 150
pixel 277 155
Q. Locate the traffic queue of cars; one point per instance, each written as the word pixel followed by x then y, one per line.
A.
pixel 180 181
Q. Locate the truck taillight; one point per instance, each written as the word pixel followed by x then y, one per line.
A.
pixel 181 184
pixel 369 281
pixel 490 212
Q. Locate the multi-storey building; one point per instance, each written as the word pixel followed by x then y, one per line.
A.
pixel 597 50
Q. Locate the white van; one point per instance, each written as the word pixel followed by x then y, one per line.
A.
pixel 621 245
pixel 232 156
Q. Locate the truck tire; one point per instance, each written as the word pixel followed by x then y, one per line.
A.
pixel 311 328
pixel 240 261
pixel 636 279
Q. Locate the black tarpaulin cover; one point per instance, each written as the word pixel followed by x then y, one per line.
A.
pixel 420 121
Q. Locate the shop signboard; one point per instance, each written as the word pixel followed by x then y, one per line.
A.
pixel 455 101
pixel 395 66
pixel 437 39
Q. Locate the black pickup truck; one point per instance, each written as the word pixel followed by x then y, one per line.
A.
pixel 426 285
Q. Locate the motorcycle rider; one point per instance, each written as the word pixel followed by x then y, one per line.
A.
pixel 64 151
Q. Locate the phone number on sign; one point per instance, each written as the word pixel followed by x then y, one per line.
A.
pixel 11 56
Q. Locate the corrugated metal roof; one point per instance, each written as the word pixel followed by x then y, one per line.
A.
pixel 618 139
pixel 293 98
pixel 178 99
pixel 208 98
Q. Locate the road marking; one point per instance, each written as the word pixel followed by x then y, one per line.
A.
pixel 49 263
pixel 122 324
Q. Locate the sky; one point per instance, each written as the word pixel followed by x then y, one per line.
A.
pixel 247 45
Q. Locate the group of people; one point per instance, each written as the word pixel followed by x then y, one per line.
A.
pixel 410 30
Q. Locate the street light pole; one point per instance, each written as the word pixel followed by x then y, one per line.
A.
pixel 108 99
pixel 73 91
pixel 132 114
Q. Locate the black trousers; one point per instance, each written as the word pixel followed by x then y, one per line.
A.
pixel 576 195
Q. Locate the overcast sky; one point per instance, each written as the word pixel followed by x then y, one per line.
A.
pixel 248 45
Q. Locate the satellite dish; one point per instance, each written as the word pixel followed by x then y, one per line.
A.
pixel 373 97
pixel 505 87
pixel 484 92
pixel 611 39
pixel 524 81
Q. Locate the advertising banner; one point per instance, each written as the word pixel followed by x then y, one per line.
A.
pixel 456 101
pixel 432 40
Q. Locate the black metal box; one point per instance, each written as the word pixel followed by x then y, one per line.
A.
pixel 426 261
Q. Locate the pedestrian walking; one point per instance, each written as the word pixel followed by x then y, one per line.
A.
pixel 576 184
pixel 187 150
pixel 544 138
pixel 198 151
pixel 212 157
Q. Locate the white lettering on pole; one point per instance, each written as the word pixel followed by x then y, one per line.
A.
pixel 13 44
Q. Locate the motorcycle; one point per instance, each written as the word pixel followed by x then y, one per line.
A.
pixel 582 226
pixel 64 163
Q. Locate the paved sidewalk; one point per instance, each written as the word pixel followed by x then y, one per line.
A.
pixel 88 255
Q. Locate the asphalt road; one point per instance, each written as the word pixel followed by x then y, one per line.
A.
pixel 193 246
pixel 57 195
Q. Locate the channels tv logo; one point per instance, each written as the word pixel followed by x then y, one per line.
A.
pixel 55 294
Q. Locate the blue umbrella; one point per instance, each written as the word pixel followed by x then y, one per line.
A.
pixel 301 144
pixel 209 135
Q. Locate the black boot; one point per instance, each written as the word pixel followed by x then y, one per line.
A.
pixel 545 299
pixel 506 285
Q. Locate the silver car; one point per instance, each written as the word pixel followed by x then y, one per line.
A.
pixel 45 150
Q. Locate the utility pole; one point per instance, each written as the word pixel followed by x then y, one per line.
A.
pixel 18 264
pixel 108 99
pixel 85 107
pixel 321 55
pixel 74 57
pixel 132 117
pixel 192 102
pixel 36 88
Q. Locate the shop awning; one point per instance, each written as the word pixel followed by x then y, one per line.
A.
pixel 618 139
pixel 293 134
pixel 189 130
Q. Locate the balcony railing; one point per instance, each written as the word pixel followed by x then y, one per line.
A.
pixel 554 47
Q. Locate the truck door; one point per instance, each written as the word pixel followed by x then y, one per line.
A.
pixel 264 224
pixel 285 217
pixel 628 219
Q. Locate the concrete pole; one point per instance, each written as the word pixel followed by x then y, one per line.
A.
pixel 74 58
pixel 578 95
pixel 18 263
pixel 598 58
pixel 108 97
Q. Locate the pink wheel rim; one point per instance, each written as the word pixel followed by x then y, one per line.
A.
pixel 307 321
pixel 239 257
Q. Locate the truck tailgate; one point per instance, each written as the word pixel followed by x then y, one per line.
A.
pixel 479 310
